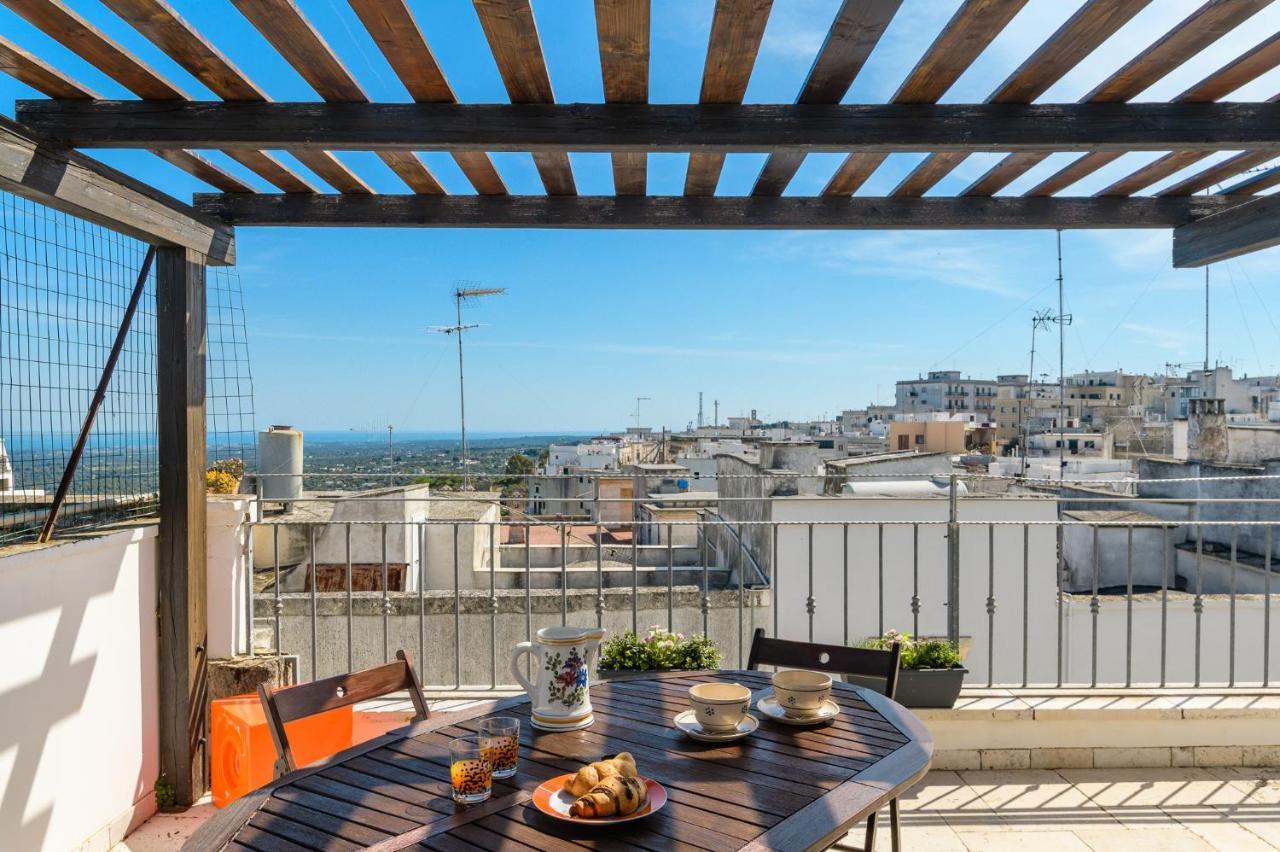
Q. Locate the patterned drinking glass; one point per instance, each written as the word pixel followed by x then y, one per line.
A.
pixel 471 773
pixel 500 744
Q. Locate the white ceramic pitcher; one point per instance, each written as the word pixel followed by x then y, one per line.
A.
pixel 562 656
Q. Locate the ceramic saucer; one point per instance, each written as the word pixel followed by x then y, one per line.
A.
pixel 769 706
pixel 687 721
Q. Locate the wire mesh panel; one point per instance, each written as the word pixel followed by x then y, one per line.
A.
pixel 231 439
pixel 64 287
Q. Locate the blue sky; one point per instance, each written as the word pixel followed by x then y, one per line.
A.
pixel 791 324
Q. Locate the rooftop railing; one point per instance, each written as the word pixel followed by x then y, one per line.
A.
pixel 1079 587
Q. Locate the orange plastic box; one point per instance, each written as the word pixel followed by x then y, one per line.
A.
pixel 242 753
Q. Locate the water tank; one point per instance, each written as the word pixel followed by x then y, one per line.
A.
pixel 280 452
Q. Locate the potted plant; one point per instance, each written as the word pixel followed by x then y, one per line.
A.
pixel 931 671
pixel 657 650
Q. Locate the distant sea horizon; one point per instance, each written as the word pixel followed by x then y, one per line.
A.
pixel 333 436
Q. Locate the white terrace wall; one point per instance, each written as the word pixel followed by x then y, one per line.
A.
pixel 79 736
pixel 78 722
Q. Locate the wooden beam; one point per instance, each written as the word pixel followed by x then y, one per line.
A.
pixel 513 39
pixel 854 33
pixel 1083 32
pixel 69 181
pixel 656 127
pixel 180 565
pixel 1192 34
pixel 1242 229
pixel 622 30
pixel 684 212
pixel 284 26
pixel 394 29
pixel 973 26
pixel 1254 62
pixel 736 30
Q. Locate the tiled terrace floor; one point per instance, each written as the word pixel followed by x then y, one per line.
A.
pixel 1126 810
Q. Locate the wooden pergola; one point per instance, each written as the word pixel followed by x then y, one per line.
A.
pixel 40 158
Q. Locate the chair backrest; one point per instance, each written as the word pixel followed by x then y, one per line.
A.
pixel 307 699
pixel 836 659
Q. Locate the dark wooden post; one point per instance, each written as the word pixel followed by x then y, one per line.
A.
pixel 183 620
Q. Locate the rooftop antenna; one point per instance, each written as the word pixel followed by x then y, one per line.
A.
pixel 1041 320
pixel 465 294
pixel 699 409
pixel 391 453
pixel 1063 320
pixel 639 400
pixel 717 407
pixel 1205 376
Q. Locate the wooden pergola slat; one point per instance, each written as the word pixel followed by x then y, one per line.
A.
pixel 1219 172
pixel 622 29
pixel 854 33
pixel 1248 66
pixel 974 25
pixel 46 79
pixel 736 31
pixel 691 212
pixel 1194 33
pixel 396 32
pixel 1082 33
pixel 513 39
pixel 284 26
pixel 1255 184
pixel 156 20
pixel 638 128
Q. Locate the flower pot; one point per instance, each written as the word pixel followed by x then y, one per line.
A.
pixel 921 687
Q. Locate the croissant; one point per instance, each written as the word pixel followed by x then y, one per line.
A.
pixel 615 796
pixel 623 764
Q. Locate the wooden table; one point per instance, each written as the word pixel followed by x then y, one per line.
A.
pixel 780 788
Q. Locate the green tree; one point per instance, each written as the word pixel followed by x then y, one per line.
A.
pixel 519 465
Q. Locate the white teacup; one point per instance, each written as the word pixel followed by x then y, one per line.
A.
pixel 801 693
pixel 719 706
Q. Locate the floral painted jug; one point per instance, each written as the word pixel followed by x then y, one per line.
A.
pixel 562 659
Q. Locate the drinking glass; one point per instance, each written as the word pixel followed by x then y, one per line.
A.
pixel 500 744
pixel 470 772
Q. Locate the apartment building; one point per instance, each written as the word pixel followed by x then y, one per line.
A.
pixel 945 390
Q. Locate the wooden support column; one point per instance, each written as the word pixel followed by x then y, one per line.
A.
pixel 180 569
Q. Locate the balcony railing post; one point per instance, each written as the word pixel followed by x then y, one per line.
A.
pixel 599 575
pixel 311 553
pixel 1128 618
pixel 457 613
pixel 809 605
pixel 350 605
pixel 845 620
pixel 705 603
pixel 915 579
pixel 671 588
pixel 422 604
pixel 953 564
pixel 277 606
pixel 742 579
pixel 991 604
pixel 1026 601
pixel 1266 609
pixel 493 604
pixel 1231 648
pixel 1094 608
pixel 386 600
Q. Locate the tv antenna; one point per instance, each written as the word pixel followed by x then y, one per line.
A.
pixel 639 400
pixel 464 294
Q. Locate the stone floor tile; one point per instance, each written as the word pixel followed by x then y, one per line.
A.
pixel 1023 841
pixel 1176 839
pixel 1166 787
pixel 1037 800
pixel 914 838
pixel 1225 834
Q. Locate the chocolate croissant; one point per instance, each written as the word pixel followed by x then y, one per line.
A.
pixel 615 796
pixel 623 764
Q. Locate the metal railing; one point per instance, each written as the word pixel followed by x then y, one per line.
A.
pixel 1035 598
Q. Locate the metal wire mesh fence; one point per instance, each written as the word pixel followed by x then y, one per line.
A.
pixel 64 286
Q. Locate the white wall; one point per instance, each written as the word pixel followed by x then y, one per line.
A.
pixel 78 726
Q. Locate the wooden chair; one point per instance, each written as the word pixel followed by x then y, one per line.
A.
pixel 836 659
pixel 296 702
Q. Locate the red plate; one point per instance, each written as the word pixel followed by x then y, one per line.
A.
pixel 553 800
